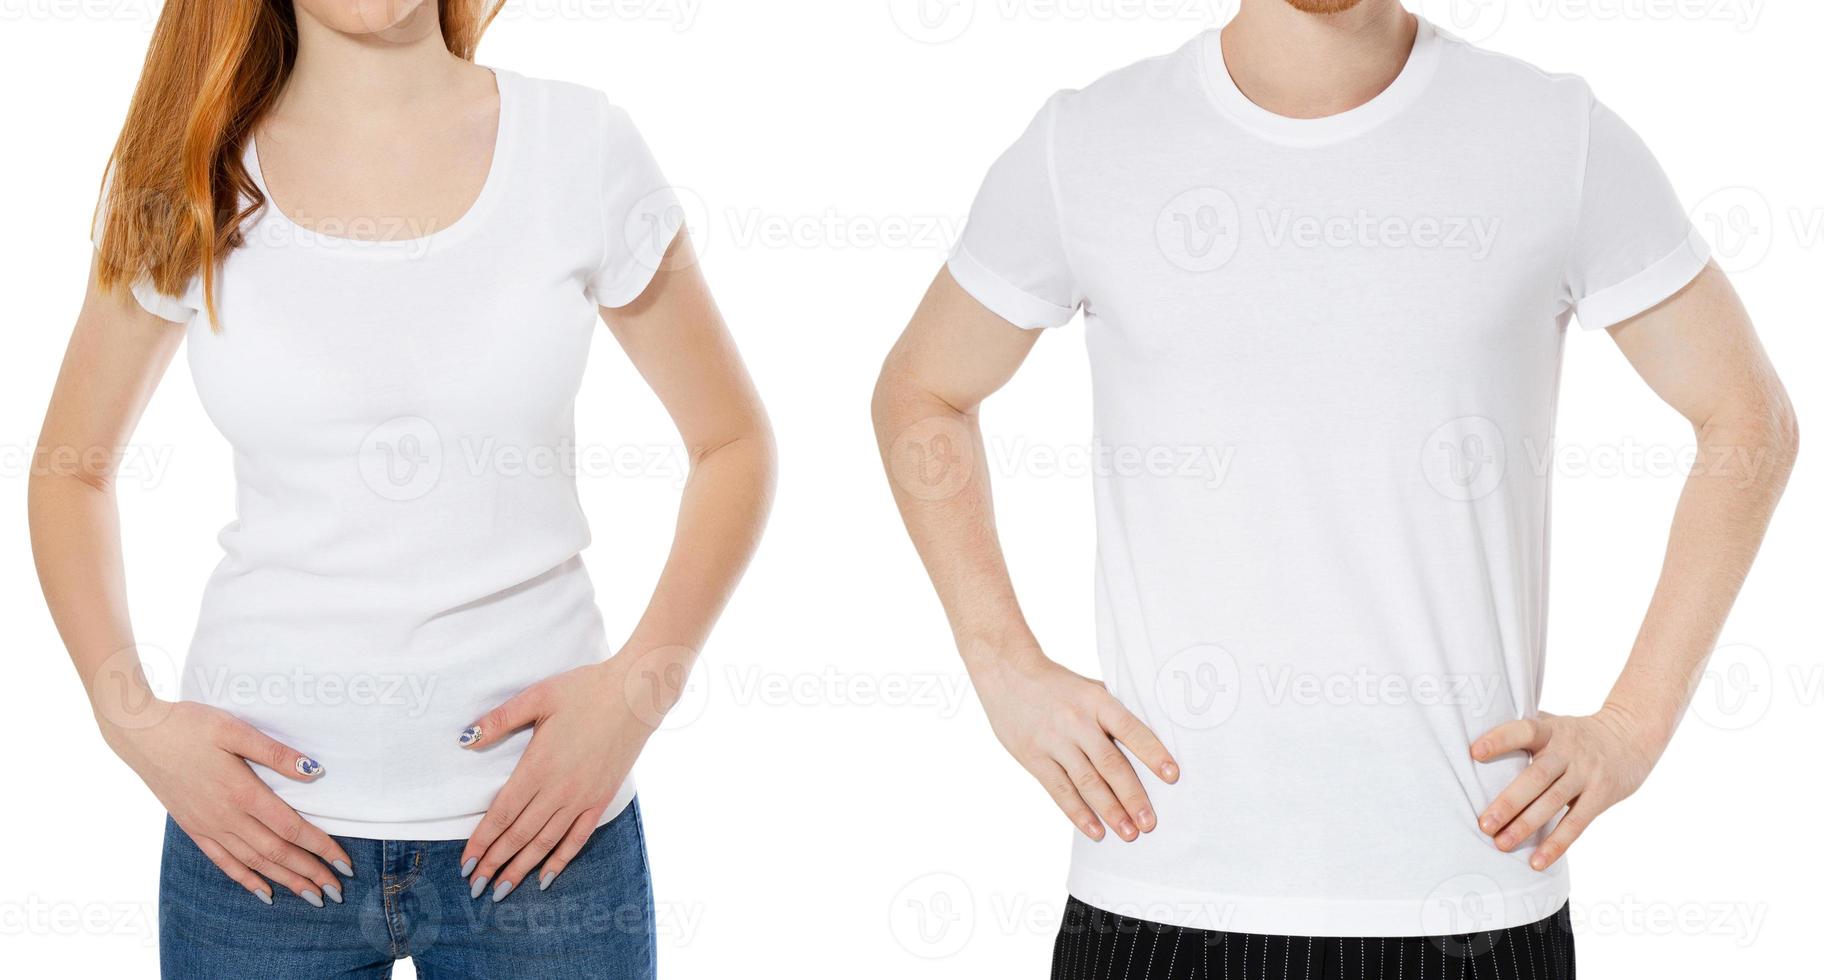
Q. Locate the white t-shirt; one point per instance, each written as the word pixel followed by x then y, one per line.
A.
pixel 406 550
pixel 1325 363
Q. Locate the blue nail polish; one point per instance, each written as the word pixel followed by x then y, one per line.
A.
pixel 334 893
pixel 309 767
pixel 545 880
pixel 264 897
pixel 343 868
pixel 501 890
pixel 469 736
pixel 469 865
pixel 314 899
pixel 476 887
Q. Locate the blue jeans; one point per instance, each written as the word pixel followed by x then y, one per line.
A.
pixel 407 898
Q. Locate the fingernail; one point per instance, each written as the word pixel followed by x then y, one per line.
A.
pixel 309 767
pixel 545 880
pixel 1170 770
pixel 1488 824
pixel 1146 819
pixel 501 890
pixel 334 893
pixel 314 899
pixel 476 886
pixel 1127 829
pixel 1480 751
pixel 264 897
pixel 343 869
pixel 469 736
pixel 1538 862
pixel 1504 842
pixel 469 865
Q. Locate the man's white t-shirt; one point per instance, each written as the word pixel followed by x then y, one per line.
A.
pixel 405 554
pixel 1355 324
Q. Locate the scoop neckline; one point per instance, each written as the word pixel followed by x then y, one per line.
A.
pixel 1405 88
pixel 456 230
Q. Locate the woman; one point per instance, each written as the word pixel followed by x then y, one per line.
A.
pixel 399 705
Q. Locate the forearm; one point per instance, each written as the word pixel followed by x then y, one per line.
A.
pixel 938 469
pixel 720 519
pixel 1747 455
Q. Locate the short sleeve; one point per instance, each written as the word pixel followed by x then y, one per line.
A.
pixel 1635 245
pixel 1011 257
pixel 173 308
pixel 640 211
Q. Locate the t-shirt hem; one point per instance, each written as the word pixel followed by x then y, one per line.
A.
pixel 1327 917
pixel 1647 288
pixel 446 828
pixel 1002 298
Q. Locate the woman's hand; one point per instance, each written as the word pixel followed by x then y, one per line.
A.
pixel 196 759
pixel 1062 727
pixel 589 726
pixel 1586 763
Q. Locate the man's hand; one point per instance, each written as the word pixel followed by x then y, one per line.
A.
pixel 1063 728
pixel 1585 763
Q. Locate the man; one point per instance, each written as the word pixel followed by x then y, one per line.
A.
pixel 1345 249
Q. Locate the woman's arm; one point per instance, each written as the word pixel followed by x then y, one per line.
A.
pixel 590 724
pixel 192 757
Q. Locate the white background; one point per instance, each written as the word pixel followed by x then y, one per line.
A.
pixel 830 797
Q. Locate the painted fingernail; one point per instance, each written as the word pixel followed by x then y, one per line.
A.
pixel 343 869
pixel 545 880
pixel 469 865
pixel 309 767
pixel 477 886
pixel 1146 819
pixel 264 897
pixel 314 899
pixel 1170 770
pixel 334 893
pixel 501 890
pixel 469 736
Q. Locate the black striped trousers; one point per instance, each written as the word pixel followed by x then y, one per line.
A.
pixel 1097 945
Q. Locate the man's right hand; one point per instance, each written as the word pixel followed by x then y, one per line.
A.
pixel 1064 729
pixel 195 759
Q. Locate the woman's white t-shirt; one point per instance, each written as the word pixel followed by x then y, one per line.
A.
pixel 1325 365
pixel 405 554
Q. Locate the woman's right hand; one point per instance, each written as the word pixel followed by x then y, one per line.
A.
pixel 1064 729
pixel 196 760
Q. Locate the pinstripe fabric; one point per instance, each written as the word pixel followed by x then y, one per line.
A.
pixel 1097 945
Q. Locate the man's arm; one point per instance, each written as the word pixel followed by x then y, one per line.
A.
pixel 1061 727
pixel 1699 352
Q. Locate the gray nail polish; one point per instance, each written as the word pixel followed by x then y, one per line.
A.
pixel 469 736
pixel 545 880
pixel 264 897
pixel 469 865
pixel 476 886
pixel 343 869
pixel 314 899
pixel 501 890
pixel 334 893
pixel 309 767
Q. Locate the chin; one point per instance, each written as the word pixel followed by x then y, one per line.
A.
pixel 368 17
pixel 1323 6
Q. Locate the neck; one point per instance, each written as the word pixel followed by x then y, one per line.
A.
pixel 363 75
pixel 1306 66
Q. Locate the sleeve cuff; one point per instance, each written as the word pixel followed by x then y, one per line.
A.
pixel 160 305
pixel 1647 288
pixel 627 286
pixel 1002 298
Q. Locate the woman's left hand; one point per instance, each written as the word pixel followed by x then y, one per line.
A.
pixel 587 732
pixel 1586 763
